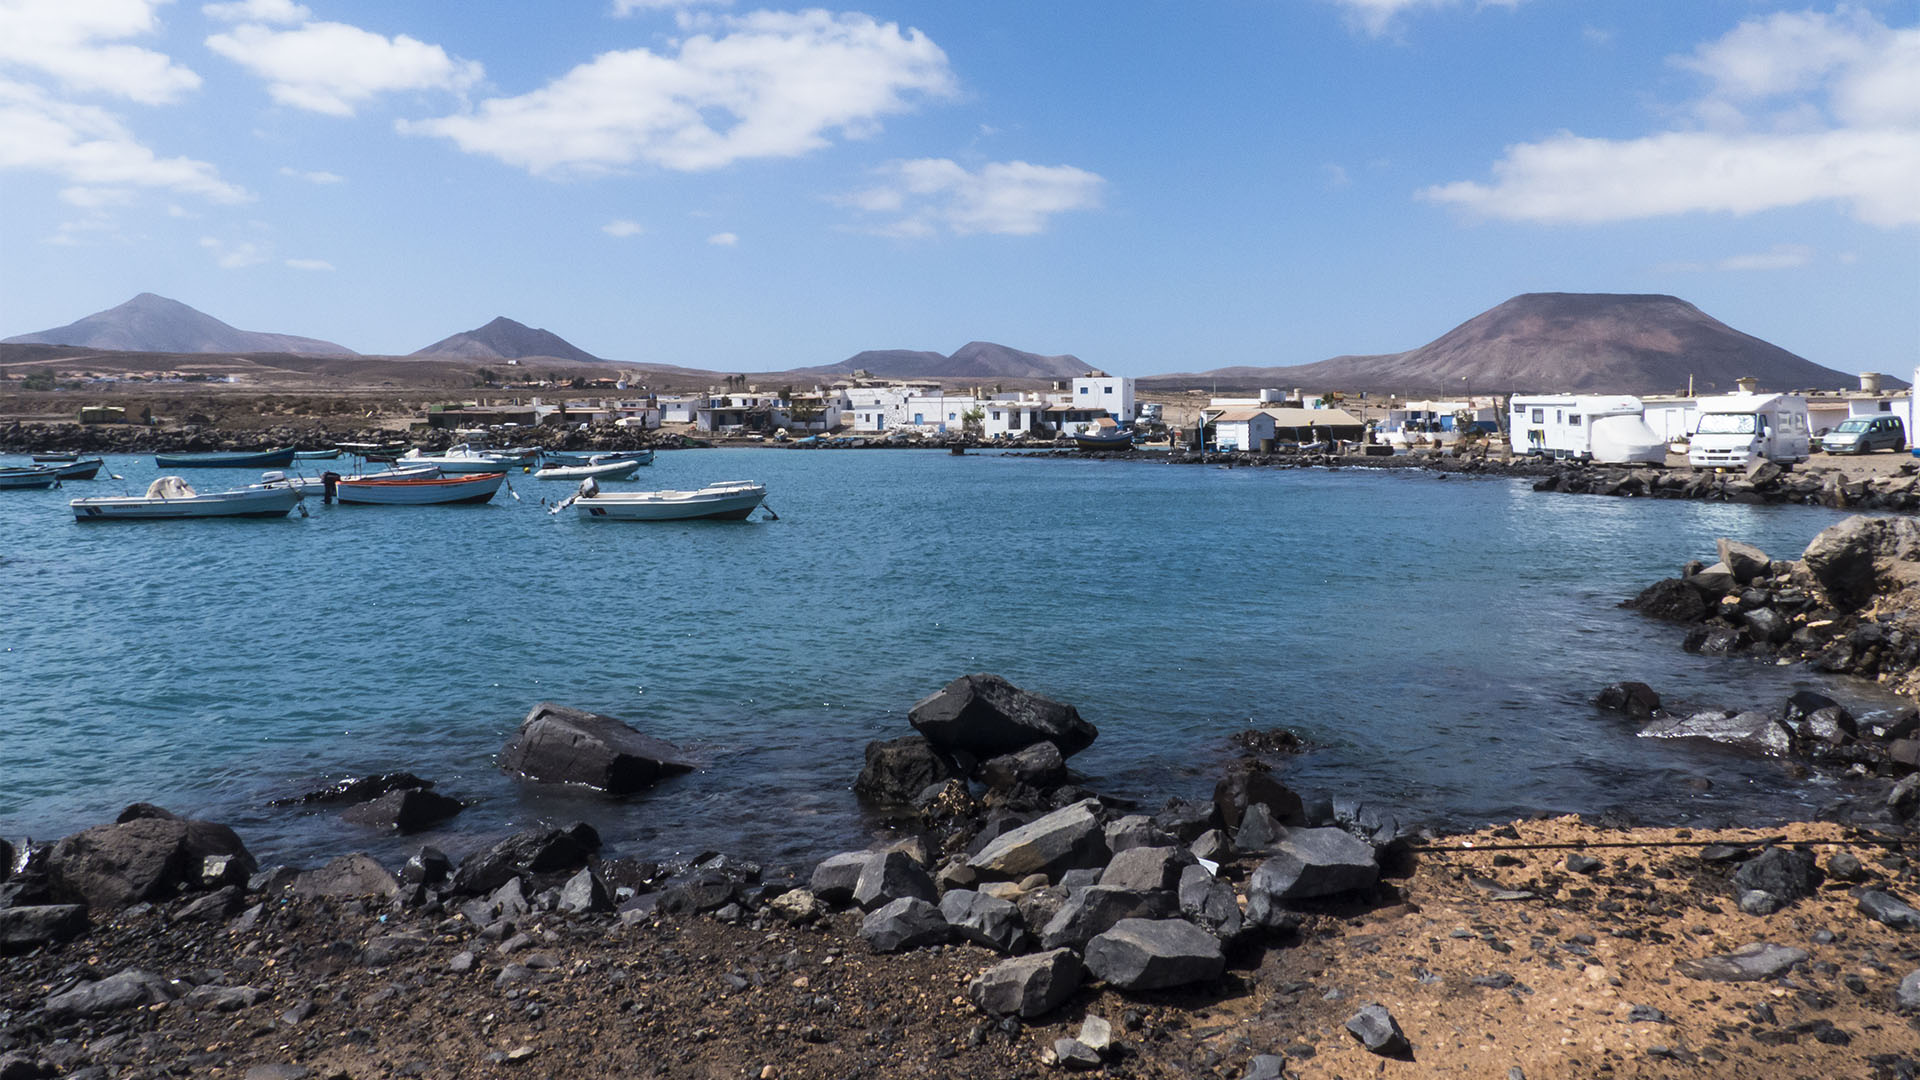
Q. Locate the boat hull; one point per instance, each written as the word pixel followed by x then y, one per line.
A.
pixel 1085 442
pixel 612 470
pixel 24 479
pixel 731 502
pixel 267 459
pixel 250 502
pixel 81 470
pixel 420 491
pixel 571 458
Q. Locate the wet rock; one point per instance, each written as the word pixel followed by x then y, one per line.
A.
pixel 584 893
pixel 698 891
pixel 1788 874
pixel 1258 830
pixel 348 876
pixel 23 929
pixel 1841 558
pixel 1146 869
pixel 407 810
pixel 1209 902
pixel 124 990
pixel 1754 731
pixel 1636 699
pixel 1744 561
pixel 987 716
pixel 571 746
pixel 1749 963
pixel 1889 909
pixel 890 877
pixel 1154 954
pixel 1377 1030
pixel 898 770
pixel 1027 986
pixel 428 866
pixel 357 789
pixel 1094 909
pixel 1249 783
pixel 1040 765
pixel 906 923
pixel 525 854
pixel 1066 839
pixel 1670 600
pixel 984 920
pixel 1767 626
pixel 1315 862
pixel 145 858
pixel 1186 819
pixel 836 875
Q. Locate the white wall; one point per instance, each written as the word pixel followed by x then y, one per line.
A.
pixel 1112 393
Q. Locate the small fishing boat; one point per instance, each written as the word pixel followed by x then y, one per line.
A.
pixel 418 490
pixel 265 459
pixel 730 500
pixel 590 457
pixel 65 455
pixel 316 455
pixel 1120 439
pixel 466 459
pixel 596 470
pixel 80 469
pixel 37 476
pixel 317 485
pixel 172 497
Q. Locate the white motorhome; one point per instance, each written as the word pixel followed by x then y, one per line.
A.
pixel 1608 430
pixel 1733 430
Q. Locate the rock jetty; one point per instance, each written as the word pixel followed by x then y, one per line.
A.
pixel 1760 483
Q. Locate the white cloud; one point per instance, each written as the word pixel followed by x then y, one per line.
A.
pixel 93 198
pixel 311 177
pixel 1334 176
pixel 724 239
pixel 309 264
pixel 1378 16
pixel 623 8
pixel 1008 198
pixel 1782 257
pixel 765 85
pixel 333 68
pixel 76 43
pixel 622 228
pixel 88 146
pixel 258 11
pixel 233 256
pixel 1799 109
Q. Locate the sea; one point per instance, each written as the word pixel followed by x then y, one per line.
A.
pixel 1435 640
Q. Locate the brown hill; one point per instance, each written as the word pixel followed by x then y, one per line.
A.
pixel 505 339
pixel 149 323
pixel 974 360
pixel 1556 342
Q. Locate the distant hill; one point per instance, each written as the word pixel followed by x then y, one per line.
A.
pixel 149 323
pixel 504 339
pixel 1618 343
pixel 974 360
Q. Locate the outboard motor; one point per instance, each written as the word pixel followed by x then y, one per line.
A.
pixel 329 485
pixel 588 489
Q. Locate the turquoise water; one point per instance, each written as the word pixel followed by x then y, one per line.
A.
pixel 1437 639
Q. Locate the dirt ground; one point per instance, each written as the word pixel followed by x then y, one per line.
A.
pixel 1575 977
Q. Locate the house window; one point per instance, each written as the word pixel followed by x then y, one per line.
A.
pixel 1574 420
pixel 1519 409
pixel 950 416
pixel 1083 389
pixel 996 414
pixel 1108 390
pixel 1539 416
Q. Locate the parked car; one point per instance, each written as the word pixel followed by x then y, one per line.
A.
pixel 1865 434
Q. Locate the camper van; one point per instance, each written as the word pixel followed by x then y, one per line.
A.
pixel 1733 430
pixel 1608 430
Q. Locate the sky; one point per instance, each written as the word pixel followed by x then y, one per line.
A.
pixel 1152 185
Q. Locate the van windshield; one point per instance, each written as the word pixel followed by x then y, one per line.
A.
pixel 1716 423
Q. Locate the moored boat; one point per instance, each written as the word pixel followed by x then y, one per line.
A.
pixel 36 476
pixel 62 455
pixel 418 490
pixel 1114 440
pixel 317 455
pixel 265 459
pixel 80 469
pixel 466 459
pixel 172 497
pixel 730 500
pixel 317 485
pixel 589 457
pixel 596 470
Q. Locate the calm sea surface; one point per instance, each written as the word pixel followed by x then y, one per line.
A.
pixel 1437 640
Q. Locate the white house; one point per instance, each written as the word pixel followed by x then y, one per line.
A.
pixel 1109 394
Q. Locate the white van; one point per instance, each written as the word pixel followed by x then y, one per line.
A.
pixel 1607 430
pixel 1733 430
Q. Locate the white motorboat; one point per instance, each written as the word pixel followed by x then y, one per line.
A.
pixel 172 497
pixel 730 500
pixel 596 469
pixel 591 457
pixel 467 459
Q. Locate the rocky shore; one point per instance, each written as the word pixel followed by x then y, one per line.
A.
pixel 1761 483
pixel 21 438
pixel 1019 925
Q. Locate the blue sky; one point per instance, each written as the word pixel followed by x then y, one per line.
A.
pixel 1153 186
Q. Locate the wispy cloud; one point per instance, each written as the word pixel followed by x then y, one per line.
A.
pixel 88 146
pixel 1379 16
pixel 622 228
pixel 258 11
pixel 724 239
pixel 81 46
pixel 1010 198
pixel 312 176
pixel 309 264
pixel 764 85
pixel 333 68
pixel 1779 257
pixel 623 8
pixel 1800 108
pixel 235 255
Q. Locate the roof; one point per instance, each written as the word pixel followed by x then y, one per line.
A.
pixel 1293 418
pixel 1238 416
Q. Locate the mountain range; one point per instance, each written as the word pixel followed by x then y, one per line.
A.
pixel 1536 342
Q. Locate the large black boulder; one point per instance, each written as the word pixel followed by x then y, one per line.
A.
pixel 986 716
pixel 1786 873
pixel 524 854
pixel 147 857
pixel 1672 600
pixel 405 810
pixel 572 746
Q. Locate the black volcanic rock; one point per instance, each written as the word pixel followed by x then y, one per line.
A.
pixel 1617 343
pixel 149 323
pixel 504 339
